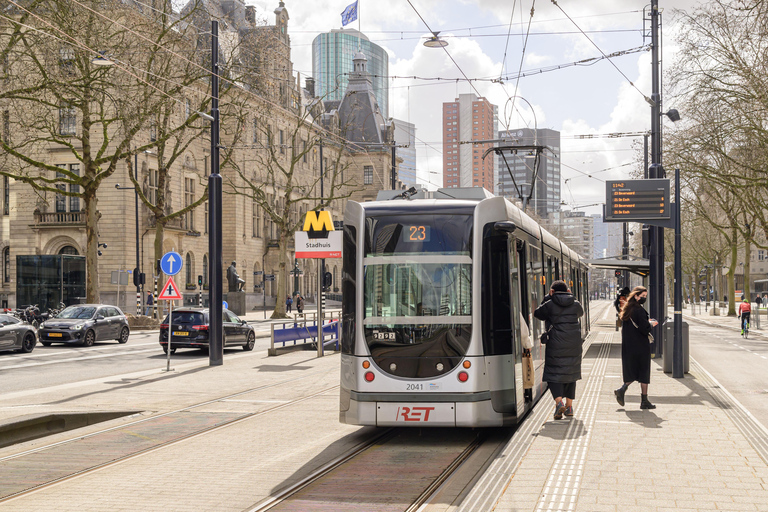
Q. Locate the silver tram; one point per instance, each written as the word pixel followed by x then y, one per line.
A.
pixel 434 289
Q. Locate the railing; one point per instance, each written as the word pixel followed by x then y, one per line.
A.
pixel 59 218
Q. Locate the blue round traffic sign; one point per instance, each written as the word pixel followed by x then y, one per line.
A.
pixel 171 263
pixel 226 306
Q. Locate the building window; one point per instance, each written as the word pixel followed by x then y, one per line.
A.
pixel 281 133
pixel 6 195
pixel 190 272
pixel 189 198
pixel 6 126
pixel 153 129
pixel 304 151
pixel 67 119
pixel 205 227
pixel 61 199
pixel 187 108
pixel 255 218
pixel 255 131
pixel 67 59
pixel 760 255
pixel 368 175
pixel 68 249
pixel 7 265
pixel 152 189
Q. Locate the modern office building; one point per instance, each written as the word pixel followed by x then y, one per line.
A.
pixel 574 228
pixel 405 137
pixel 546 193
pixel 466 121
pixel 332 55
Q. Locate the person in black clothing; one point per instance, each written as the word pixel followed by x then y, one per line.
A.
pixel 562 360
pixel 635 346
pixel 621 298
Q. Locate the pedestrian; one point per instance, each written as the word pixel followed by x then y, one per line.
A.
pixel 288 302
pixel 758 301
pixel 621 299
pixel 300 304
pixel 562 361
pixel 150 303
pixel 636 346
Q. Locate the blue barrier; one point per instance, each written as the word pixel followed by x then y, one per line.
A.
pixel 303 333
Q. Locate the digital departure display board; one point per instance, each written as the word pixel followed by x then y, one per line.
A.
pixel 637 200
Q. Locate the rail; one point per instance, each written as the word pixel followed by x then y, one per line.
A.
pixel 301 333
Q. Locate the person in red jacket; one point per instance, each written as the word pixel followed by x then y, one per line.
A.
pixel 745 310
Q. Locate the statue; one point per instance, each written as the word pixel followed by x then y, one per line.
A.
pixel 235 283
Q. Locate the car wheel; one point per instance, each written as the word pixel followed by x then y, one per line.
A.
pixel 89 339
pixel 165 350
pixel 124 333
pixel 250 343
pixel 46 343
pixel 29 342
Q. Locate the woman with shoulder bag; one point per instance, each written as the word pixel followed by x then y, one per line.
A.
pixel 562 359
pixel 636 346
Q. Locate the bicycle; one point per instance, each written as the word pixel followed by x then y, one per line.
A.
pixel 745 328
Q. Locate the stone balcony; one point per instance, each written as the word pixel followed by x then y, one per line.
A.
pixel 58 219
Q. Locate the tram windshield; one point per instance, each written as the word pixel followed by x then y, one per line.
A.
pixel 417 295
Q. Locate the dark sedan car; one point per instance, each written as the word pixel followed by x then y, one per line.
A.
pixel 85 324
pixel 190 330
pixel 16 335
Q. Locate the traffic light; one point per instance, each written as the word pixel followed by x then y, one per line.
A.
pixel 136 277
pixel 617 273
pixel 158 270
pixel 199 280
pixel 327 280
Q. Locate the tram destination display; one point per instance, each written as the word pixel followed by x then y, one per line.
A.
pixel 636 200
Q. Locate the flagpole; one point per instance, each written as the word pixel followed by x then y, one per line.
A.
pixel 359 32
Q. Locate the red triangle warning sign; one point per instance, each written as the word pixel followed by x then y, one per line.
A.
pixel 170 291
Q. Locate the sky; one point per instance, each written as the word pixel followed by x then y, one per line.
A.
pixel 487 41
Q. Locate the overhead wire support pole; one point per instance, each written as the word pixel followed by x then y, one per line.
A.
pixel 216 303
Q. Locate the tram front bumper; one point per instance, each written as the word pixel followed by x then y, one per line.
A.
pixel 421 414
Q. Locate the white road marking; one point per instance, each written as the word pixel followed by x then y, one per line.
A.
pixel 81 358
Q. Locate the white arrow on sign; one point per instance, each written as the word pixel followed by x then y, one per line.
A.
pixel 171 261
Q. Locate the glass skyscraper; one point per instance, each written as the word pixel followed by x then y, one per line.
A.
pixel 332 54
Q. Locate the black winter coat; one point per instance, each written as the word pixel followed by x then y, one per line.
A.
pixel 562 359
pixel 635 347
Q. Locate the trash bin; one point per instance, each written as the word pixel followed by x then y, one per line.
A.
pixel 669 335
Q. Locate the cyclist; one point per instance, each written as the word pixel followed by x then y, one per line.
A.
pixel 745 309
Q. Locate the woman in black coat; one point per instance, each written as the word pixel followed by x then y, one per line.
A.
pixel 562 360
pixel 635 346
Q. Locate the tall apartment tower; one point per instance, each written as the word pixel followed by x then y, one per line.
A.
pixel 546 195
pixel 332 55
pixel 405 137
pixel 466 119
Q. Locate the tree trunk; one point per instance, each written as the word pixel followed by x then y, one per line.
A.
pixel 282 278
pixel 731 274
pixel 747 268
pixel 158 251
pixel 90 201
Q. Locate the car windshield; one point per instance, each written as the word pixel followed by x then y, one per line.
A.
pixel 187 317
pixel 77 312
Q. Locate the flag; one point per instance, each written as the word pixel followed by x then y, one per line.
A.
pixel 350 14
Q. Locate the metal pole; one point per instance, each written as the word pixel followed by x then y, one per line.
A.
pixel 138 258
pixel 319 321
pixel 394 167
pixel 677 347
pixel 170 332
pixel 625 252
pixel 656 252
pixel 321 269
pixel 216 345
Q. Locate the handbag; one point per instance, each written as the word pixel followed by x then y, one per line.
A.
pixel 650 336
pixel 544 338
pixel 528 380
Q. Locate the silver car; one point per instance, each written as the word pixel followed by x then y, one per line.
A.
pixel 85 324
pixel 16 334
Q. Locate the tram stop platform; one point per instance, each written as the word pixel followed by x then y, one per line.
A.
pixel 230 438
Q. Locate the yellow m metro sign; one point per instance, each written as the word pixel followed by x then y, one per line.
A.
pixel 318 224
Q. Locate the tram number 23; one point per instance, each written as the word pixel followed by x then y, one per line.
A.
pixel 383 335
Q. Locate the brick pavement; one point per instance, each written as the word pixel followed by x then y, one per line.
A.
pixel 696 451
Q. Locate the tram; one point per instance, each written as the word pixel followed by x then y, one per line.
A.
pixel 435 287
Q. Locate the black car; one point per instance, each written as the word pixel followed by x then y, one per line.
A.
pixel 190 330
pixel 16 334
pixel 85 324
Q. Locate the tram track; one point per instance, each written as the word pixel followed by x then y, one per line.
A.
pixel 91 468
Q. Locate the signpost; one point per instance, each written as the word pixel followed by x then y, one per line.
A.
pixel 170 264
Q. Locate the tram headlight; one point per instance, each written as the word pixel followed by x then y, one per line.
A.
pixel 369 376
pixel 392 367
pixel 439 367
pixel 463 376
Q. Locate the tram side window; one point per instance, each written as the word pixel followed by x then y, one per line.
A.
pixel 550 279
pixel 348 290
pixel 534 286
pixel 522 261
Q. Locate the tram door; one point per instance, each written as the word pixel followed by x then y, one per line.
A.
pixel 501 316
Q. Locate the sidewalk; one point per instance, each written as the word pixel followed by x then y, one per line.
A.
pixel 273 420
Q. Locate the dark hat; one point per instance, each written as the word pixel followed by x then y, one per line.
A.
pixel 559 286
pixel 624 291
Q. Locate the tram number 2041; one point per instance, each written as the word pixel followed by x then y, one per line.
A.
pixel 383 335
